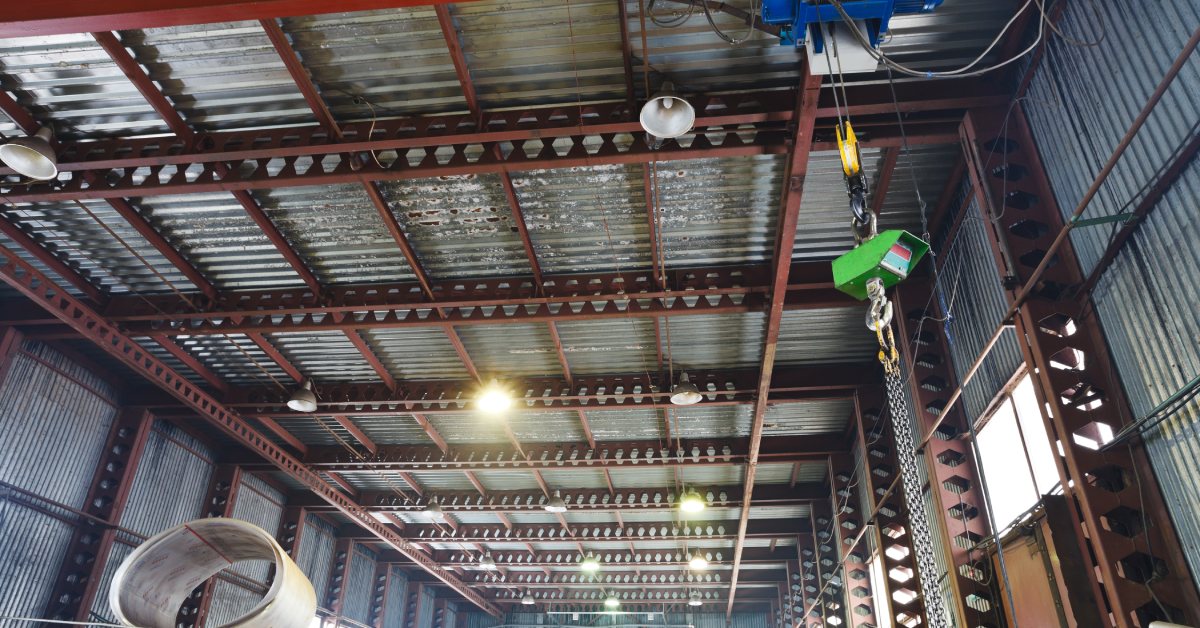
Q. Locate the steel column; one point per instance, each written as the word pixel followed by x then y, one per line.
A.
pixel 954 477
pixel 10 344
pixel 789 214
pixel 831 602
pixel 845 481
pixel 291 529
pixel 339 575
pixel 381 582
pixel 78 579
pixel 1137 569
pixel 219 502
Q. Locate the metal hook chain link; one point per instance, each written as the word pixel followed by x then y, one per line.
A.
pixel 879 319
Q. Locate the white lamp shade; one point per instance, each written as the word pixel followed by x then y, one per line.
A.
pixel 434 511
pixel 555 504
pixel 31 156
pixel 487 562
pixel 528 600
pixel 694 599
pixel 667 115
pixel 685 392
pixel 304 399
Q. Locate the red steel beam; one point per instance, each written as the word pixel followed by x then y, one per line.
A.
pixel 332 167
pixel 193 363
pixel 887 169
pixel 805 119
pixel 275 355
pixel 368 354
pixel 357 432
pixel 51 261
pixel 551 456
pixel 60 17
pixel 668 529
pixel 450 35
pixel 568 560
pixel 17 113
pixel 481 500
pixel 36 286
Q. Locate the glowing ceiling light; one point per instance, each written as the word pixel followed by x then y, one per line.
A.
pixel 611 601
pixel 494 399
pixel 685 392
pixel 698 562
pixel 590 564
pixel 691 502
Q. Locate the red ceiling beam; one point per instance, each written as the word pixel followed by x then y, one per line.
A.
pixel 334 168
pixel 17 113
pixel 805 119
pixel 666 530
pixel 59 17
pixel 454 47
pixel 482 500
pixel 733 386
pixel 564 560
pixel 551 456
pixel 887 169
pixel 357 432
pixel 192 362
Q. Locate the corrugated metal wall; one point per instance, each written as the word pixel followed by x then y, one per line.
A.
pixel 396 599
pixel 360 584
pixel 1078 117
pixel 969 289
pixel 170 483
pixel 315 555
pixel 54 416
pixel 425 608
pixel 258 503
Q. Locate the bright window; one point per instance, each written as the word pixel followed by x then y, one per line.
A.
pixel 883 610
pixel 1018 461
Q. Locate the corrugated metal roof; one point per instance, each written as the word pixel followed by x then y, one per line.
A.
pixel 324 356
pixel 417 353
pixel 825 336
pixel 586 218
pixel 720 211
pixel 399 429
pixel 715 341
pixel 394 58
pixel 511 350
pixel 626 424
pixel 460 226
pixel 594 347
pixel 218 237
pixel 70 81
pixel 525 52
pixel 809 417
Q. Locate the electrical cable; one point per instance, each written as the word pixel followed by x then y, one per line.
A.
pixel 962 72
pixel 754 11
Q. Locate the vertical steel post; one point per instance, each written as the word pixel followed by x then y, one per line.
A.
pixel 954 479
pixel 78 578
pixel 844 482
pixel 1137 571
pixel 218 502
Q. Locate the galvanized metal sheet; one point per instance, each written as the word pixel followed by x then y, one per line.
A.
pixel 55 425
pixel 395 59
pixel 33 546
pixel 526 52
pixel 586 219
pixel 338 232
pixel 511 350
pixel 395 598
pixel 460 226
pixel 810 417
pixel 220 76
pixel 825 336
pixel 315 553
pixel 70 81
pixel 715 341
pixel 360 584
pixel 417 353
pixel 171 481
pixel 597 347
pixel 325 356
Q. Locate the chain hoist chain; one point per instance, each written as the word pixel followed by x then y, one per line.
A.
pixel 879 318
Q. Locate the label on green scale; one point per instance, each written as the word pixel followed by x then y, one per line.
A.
pixel 898 260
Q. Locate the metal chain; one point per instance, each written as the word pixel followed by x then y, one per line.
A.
pixel 918 528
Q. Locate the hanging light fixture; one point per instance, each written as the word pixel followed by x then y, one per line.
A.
pixel 494 399
pixel 691 501
pixel 667 115
pixel 694 599
pixel 685 392
pixel 32 156
pixel 555 504
pixel 611 601
pixel 434 511
pixel 590 564
pixel 698 562
pixel 304 399
pixel 528 600
pixel 487 562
